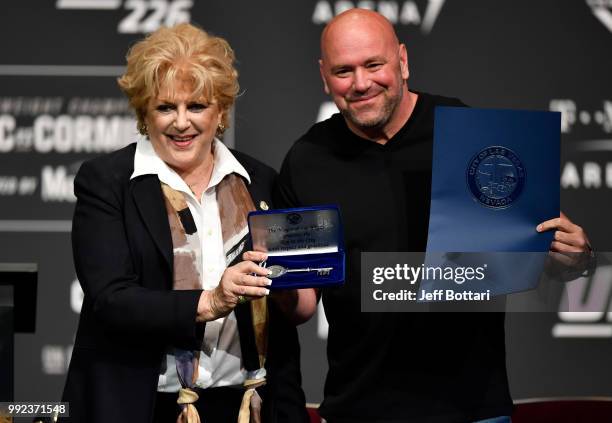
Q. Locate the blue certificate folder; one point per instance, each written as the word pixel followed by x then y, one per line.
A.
pixel 495 177
pixel 301 238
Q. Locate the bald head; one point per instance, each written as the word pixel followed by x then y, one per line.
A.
pixel 365 68
pixel 357 21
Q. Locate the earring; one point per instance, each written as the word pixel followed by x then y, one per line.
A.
pixel 221 127
pixel 142 128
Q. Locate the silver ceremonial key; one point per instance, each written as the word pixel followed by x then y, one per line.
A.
pixel 278 271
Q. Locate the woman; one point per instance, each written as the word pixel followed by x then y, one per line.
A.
pixel 163 319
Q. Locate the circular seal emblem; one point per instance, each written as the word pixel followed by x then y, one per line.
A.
pixel 294 218
pixel 495 177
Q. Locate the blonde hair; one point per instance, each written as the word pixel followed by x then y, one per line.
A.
pixel 170 55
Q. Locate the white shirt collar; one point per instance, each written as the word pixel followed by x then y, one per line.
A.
pixel 147 162
pixel 225 163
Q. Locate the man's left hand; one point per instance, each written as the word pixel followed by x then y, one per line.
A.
pixel 569 237
pixel 569 241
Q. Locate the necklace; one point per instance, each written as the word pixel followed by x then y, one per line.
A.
pixel 193 187
pixel 202 177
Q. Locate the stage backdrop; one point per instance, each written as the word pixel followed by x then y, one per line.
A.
pixel 59 105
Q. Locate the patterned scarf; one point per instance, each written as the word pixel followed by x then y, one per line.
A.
pixel 234 203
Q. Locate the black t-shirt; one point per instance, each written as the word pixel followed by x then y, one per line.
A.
pixel 392 367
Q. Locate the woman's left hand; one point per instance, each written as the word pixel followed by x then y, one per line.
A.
pixel 245 279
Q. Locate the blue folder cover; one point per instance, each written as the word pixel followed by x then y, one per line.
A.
pixel 495 177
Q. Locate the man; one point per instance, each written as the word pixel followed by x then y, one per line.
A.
pixel 375 160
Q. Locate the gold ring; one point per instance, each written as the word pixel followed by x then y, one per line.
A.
pixel 242 299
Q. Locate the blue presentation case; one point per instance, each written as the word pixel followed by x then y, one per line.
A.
pixel 297 238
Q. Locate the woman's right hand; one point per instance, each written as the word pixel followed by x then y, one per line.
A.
pixel 236 281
